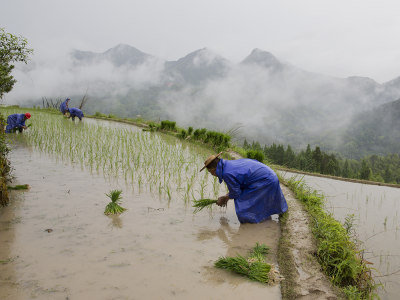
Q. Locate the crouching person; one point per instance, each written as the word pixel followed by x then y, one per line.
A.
pixel 253 186
pixel 17 122
pixel 75 112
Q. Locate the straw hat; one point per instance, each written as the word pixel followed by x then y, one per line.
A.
pixel 209 160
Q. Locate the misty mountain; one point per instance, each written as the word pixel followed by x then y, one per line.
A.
pixel 120 55
pixel 269 100
pixel 376 131
pixel 197 67
pixel 264 59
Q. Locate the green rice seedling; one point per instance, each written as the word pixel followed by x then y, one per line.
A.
pixel 202 203
pixel 113 207
pixel 254 266
pixel 238 264
pixel 19 187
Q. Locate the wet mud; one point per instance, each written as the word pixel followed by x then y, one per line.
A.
pixel 56 242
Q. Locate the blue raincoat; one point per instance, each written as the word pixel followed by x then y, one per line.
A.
pixel 254 187
pixel 15 121
pixel 76 112
pixel 64 106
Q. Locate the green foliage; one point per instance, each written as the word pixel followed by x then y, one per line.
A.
pixel 168 125
pixel 199 134
pixel 254 266
pixel 376 168
pixel 183 133
pixel 153 126
pixel 100 115
pixel 365 172
pixel 4 164
pixel 255 154
pixel 12 49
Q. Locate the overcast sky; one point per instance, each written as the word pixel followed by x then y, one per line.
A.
pixel 340 38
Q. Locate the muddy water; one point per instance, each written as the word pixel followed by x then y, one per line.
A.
pixel 376 212
pixel 56 242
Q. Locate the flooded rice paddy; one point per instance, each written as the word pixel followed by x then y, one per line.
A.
pixel 375 212
pixel 56 242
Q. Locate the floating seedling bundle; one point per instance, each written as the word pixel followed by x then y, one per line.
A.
pixel 19 187
pixel 113 207
pixel 254 266
pixel 202 203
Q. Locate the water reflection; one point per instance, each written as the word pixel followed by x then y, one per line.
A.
pixel 116 221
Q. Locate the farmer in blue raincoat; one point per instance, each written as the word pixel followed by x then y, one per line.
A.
pixel 253 186
pixel 64 106
pixel 75 112
pixel 17 122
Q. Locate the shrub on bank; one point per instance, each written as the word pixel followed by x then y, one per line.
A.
pixel 4 163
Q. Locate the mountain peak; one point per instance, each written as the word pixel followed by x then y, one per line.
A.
pixel 263 58
pixel 122 54
pixel 199 66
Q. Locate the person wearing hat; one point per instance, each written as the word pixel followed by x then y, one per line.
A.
pixel 64 106
pixel 75 112
pixel 254 187
pixel 16 122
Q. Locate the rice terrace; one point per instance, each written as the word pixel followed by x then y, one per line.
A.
pixel 161 236
pixel 243 150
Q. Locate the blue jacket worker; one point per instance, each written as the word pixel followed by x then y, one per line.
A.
pixel 17 122
pixel 64 106
pixel 253 186
pixel 75 112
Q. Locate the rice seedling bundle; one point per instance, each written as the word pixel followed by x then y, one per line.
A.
pixel 254 266
pixel 113 207
pixel 202 203
pixel 19 187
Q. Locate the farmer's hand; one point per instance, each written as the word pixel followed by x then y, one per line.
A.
pixel 222 200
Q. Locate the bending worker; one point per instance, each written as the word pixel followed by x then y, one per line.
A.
pixel 64 106
pixel 253 186
pixel 16 122
pixel 75 112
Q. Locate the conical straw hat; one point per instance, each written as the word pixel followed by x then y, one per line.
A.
pixel 209 160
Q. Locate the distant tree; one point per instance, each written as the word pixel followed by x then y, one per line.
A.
pixel 308 161
pixel 365 172
pixel 290 157
pixel 256 146
pixel 388 177
pixel 280 155
pixel 346 169
pixel 246 144
pixel 12 49
pixel 317 159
